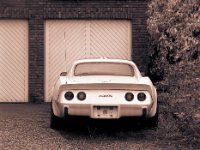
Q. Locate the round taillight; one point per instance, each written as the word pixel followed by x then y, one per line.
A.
pixel 69 95
pixel 129 96
pixel 141 96
pixel 81 96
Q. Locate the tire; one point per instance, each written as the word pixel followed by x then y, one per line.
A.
pixel 152 122
pixel 55 122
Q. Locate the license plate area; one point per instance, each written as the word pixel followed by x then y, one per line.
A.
pixel 105 112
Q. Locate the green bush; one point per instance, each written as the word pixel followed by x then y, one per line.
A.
pixel 174 28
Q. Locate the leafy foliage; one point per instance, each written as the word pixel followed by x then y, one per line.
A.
pixel 174 28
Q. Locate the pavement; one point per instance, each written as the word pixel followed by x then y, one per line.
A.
pixel 26 126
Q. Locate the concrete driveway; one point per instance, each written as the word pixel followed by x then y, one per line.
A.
pixel 26 126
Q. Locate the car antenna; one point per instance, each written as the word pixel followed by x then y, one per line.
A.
pixel 65 53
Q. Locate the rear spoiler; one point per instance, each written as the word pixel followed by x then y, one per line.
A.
pixel 108 86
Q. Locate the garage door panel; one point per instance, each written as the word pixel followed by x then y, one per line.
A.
pixel 111 37
pixel 9 79
pixel 9 86
pixel 55 40
pixel 18 36
pixel 75 41
pixel 13 60
pixel 55 52
pixel 5 95
pixel 70 40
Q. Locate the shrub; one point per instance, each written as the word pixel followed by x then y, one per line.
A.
pixel 174 28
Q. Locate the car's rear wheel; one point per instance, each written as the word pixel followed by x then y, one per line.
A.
pixel 152 122
pixel 55 122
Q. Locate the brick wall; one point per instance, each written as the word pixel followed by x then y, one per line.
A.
pixel 37 11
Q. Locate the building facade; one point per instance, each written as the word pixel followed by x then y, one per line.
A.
pixel 37 34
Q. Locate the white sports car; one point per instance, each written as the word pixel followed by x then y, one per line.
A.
pixel 103 89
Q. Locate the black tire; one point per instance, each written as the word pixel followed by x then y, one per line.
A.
pixel 152 122
pixel 55 122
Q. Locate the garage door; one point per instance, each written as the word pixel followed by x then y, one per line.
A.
pixel 13 61
pixel 67 41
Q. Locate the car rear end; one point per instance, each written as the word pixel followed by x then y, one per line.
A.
pixel 105 101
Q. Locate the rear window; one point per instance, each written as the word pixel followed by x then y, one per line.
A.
pixel 102 68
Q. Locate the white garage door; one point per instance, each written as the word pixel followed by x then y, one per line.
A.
pixel 13 61
pixel 67 41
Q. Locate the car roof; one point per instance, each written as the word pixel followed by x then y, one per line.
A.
pixel 131 63
pixel 104 60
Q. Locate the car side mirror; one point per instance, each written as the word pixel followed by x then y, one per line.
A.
pixel 63 74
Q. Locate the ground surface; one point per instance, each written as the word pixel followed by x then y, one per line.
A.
pixel 26 126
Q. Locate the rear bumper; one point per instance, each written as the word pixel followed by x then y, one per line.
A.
pixel 62 110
